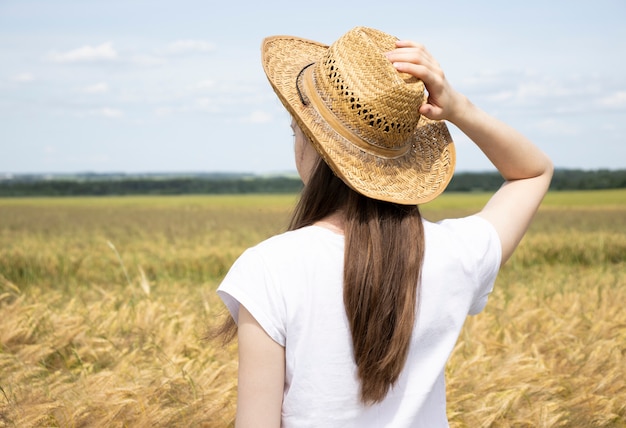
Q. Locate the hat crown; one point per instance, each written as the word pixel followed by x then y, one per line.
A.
pixel 366 93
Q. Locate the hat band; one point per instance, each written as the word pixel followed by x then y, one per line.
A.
pixel 338 125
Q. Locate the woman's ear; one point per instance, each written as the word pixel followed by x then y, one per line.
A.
pixel 306 156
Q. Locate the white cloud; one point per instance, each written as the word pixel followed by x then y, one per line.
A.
pixel 148 60
pixel 103 52
pixel 557 127
pixel 163 111
pixel 532 92
pixel 201 105
pixel 108 112
pixel 188 46
pixel 258 116
pixel 98 88
pixel 502 96
pixel 616 100
pixel 205 105
pixel 205 84
pixel 24 77
pixel 489 80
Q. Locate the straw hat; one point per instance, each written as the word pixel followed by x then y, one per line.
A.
pixel 362 115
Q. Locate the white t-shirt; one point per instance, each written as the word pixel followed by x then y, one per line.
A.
pixel 292 285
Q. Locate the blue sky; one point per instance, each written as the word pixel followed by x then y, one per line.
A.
pixel 164 86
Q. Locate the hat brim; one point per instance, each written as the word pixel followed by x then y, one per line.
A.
pixel 416 177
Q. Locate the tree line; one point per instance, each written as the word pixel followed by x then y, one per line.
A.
pixel 233 184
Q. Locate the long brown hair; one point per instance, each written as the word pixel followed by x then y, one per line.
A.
pixel 384 248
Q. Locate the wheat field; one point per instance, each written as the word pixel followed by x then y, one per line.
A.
pixel 105 303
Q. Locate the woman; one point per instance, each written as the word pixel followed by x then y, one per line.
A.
pixel 348 319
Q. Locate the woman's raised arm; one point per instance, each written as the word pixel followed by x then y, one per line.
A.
pixel 526 169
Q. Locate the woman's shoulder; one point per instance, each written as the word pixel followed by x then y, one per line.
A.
pixel 471 234
pixel 470 225
pixel 299 240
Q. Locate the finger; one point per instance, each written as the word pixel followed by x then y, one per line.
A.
pixel 410 58
pixel 409 44
pixel 413 55
pixel 418 53
pixel 430 111
pixel 421 71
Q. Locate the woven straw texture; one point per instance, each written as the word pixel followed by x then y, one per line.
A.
pixel 361 115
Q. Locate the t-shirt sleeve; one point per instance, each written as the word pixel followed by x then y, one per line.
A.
pixel 249 283
pixel 483 252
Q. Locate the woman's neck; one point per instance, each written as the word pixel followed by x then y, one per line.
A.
pixel 333 222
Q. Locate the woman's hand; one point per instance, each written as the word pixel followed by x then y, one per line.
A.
pixel 444 103
pixel 526 169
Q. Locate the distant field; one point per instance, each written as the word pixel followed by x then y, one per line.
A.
pixel 104 303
